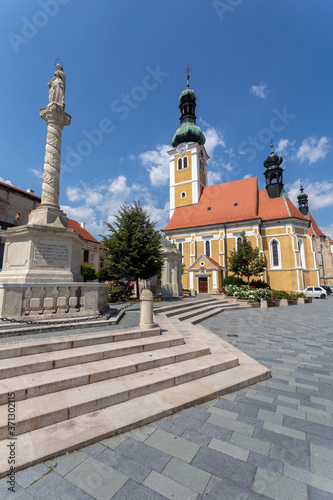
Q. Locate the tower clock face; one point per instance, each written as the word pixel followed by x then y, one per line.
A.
pixel 181 148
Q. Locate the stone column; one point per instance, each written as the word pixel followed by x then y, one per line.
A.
pixel 48 212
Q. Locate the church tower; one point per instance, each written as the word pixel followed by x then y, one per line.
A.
pixel 303 205
pixel 188 158
pixel 273 175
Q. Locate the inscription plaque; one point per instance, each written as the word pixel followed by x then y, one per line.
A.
pixel 51 254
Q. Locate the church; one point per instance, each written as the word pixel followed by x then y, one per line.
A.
pixel 206 222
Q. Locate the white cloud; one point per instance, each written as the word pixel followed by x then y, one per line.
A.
pixel 328 230
pixel 131 157
pixel 260 90
pixel 99 203
pixel 213 178
pixel 283 146
pixel 247 176
pixel 38 173
pixel 214 138
pixel 313 149
pixel 156 162
pixel 320 193
pixel 5 181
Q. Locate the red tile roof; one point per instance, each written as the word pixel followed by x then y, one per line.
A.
pixel 72 224
pixel 232 201
pixel 314 230
pixel 13 188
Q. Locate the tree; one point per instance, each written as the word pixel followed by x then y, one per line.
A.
pixel 246 261
pixel 133 248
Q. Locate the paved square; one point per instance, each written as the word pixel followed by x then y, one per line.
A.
pixel 273 440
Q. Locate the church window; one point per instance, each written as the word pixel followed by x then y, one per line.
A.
pixel 185 162
pixel 275 253
pixel 183 194
pixel 300 246
pixel 180 163
pixel 207 248
pixel 202 165
pixel 180 248
pixel 239 240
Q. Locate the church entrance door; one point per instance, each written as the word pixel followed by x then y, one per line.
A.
pixel 203 285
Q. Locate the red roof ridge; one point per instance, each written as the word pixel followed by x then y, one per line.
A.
pixel 73 224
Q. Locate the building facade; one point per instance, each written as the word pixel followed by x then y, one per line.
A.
pixel 206 222
pixel 15 207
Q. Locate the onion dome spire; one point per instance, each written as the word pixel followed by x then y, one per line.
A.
pixel 188 130
pixel 273 174
pixel 302 198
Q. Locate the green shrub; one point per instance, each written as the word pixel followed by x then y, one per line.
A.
pixel 232 280
pixel 259 284
pixel 119 292
pixel 88 273
pixel 104 275
pixel 282 294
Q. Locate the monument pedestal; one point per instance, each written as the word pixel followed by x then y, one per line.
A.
pixel 41 275
pixel 41 254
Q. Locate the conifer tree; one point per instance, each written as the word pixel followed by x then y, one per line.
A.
pixel 246 261
pixel 133 247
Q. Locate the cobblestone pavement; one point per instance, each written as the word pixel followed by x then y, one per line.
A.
pixel 272 440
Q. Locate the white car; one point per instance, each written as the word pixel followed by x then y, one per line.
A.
pixel 314 291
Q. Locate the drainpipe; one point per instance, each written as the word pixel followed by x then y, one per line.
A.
pixel 225 251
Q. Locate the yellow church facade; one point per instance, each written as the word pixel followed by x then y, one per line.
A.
pixel 206 222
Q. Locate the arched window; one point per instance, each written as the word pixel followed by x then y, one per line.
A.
pixel 202 165
pixel 185 162
pixel 207 248
pixel 239 240
pixel 183 194
pixel 180 248
pixel 275 253
pixel 300 246
pixel 180 163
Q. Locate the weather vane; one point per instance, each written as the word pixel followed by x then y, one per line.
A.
pixel 272 144
pixel 187 71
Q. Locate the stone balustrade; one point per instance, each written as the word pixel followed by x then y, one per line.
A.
pixel 59 299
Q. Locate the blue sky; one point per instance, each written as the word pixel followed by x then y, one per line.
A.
pixel 259 69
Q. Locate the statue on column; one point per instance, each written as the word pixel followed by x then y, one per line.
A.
pixel 57 87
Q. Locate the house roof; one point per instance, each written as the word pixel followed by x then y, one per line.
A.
pixel 232 201
pixel 73 224
pixel 13 188
pixel 314 230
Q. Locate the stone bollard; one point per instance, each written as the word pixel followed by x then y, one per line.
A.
pixel 146 309
pixel 263 304
pixel 300 301
pixel 283 303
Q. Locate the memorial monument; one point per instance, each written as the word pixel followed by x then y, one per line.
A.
pixel 42 260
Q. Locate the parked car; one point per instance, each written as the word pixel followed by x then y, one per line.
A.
pixel 314 291
pixel 328 289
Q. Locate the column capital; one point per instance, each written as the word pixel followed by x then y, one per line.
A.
pixel 55 113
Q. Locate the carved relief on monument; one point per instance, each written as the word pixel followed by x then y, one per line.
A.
pixel 17 253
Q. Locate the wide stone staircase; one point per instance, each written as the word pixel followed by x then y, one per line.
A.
pixel 71 391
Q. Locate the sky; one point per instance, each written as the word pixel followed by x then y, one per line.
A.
pixel 259 69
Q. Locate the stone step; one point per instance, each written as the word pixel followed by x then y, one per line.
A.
pixel 56 439
pixel 46 410
pixel 59 379
pixel 52 325
pixel 180 305
pixel 213 312
pixel 24 348
pixel 14 367
pixel 194 307
pixel 217 306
